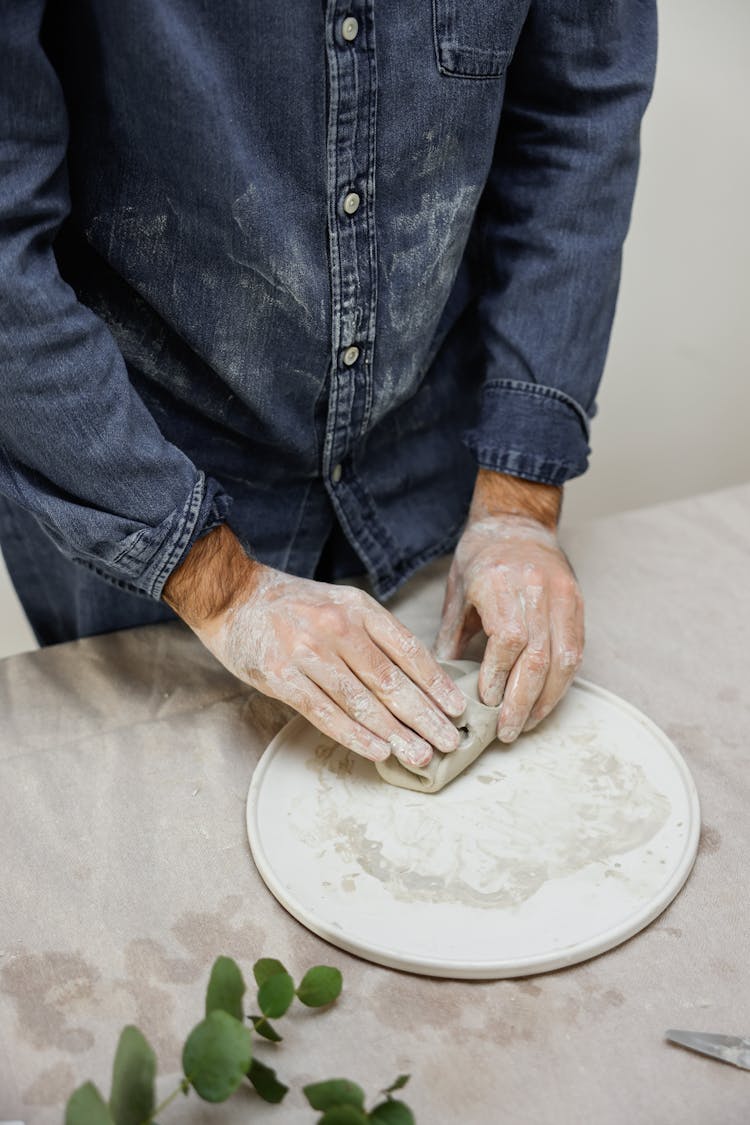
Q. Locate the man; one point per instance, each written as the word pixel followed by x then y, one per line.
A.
pixel 292 292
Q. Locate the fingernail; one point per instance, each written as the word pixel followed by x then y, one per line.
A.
pixel 447 741
pixel 492 695
pixel 416 753
pixel 415 759
pixel 376 750
pixel 508 734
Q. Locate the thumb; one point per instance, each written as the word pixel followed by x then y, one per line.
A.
pixel 448 644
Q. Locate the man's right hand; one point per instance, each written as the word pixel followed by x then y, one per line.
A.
pixel 332 652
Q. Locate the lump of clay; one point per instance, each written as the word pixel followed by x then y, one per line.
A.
pixel 478 724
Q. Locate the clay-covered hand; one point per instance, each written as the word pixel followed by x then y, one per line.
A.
pixel 330 651
pixel 510 577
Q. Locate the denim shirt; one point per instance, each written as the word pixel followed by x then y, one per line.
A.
pixel 318 261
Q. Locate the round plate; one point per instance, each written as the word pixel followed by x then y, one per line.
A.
pixel 540 855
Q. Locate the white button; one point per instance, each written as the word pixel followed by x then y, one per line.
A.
pixel 336 474
pixel 351 355
pixel 349 28
pixel 351 203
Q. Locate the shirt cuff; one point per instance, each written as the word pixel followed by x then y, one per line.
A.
pixel 529 430
pixel 149 557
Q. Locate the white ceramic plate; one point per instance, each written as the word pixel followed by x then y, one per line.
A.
pixel 539 856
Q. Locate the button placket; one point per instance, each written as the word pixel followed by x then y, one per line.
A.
pixel 350 170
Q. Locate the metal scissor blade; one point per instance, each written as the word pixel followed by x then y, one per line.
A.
pixel 727 1048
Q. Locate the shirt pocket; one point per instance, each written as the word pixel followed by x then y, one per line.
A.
pixel 476 38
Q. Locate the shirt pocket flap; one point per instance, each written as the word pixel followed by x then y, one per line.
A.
pixel 476 38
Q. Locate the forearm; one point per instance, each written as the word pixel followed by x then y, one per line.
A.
pixel 500 494
pixel 215 574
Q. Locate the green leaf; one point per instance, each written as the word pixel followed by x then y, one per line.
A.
pixel 216 1056
pixel 344 1115
pixel 86 1106
pixel 320 985
pixel 398 1084
pixel 225 988
pixel 334 1092
pixel 276 994
pixel 264 1028
pixel 133 1073
pixel 265 1082
pixel 265 968
pixel 392 1112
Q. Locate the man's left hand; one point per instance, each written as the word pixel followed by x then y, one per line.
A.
pixel 510 577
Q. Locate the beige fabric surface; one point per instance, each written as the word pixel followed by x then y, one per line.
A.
pixel 124 766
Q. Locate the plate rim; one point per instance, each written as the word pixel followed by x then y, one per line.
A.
pixel 495 969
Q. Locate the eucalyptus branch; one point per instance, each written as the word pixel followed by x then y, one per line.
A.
pixel 218 1056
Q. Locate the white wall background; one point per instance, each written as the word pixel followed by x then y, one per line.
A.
pixel 674 404
pixel 674 407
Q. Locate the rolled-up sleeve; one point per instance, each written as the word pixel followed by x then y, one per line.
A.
pixel 550 227
pixel 78 447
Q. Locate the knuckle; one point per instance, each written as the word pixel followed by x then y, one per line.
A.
pixel 358 701
pixel 533 574
pixel 435 684
pixel 537 660
pixel 324 712
pixel 571 659
pixel 388 679
pixel 512 636
pixel 409 645
pixel 303 650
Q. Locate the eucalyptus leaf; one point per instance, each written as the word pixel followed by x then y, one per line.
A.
pixel 320 985
pixel 398 1084
pixel 334 1092
pixel 276 994
pixel 216 1056
pixel 265 1082
pixel 267 1030
pixel 265 968
pixel 132 1098
pixel 226 988
pixel 392 1112
pixel 344 1115
pixel 86 1106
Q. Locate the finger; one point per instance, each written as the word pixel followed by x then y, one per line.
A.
pixel 507 636
pixel 529 674
pixel 352 696
pixel 312 702
pixel 448 641
pixel 399 694
pixel 566 650
pixel 414 659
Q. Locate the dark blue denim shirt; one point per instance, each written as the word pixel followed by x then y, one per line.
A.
pixel 316 260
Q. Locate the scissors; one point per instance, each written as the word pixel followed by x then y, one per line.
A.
pixel 727 1048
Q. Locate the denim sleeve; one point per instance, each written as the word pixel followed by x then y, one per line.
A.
pixel 78 447
pixel 551 223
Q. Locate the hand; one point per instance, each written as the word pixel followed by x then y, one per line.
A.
pixel 510 577
pixel 332 652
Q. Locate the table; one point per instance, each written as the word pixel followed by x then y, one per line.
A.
pixel 124 766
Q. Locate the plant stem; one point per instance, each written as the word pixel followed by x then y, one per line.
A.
pixel 165 1103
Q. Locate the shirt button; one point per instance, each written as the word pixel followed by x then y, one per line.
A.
pixel 349 28
pixel 336 474
pixel 351 202
pixel 351 355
